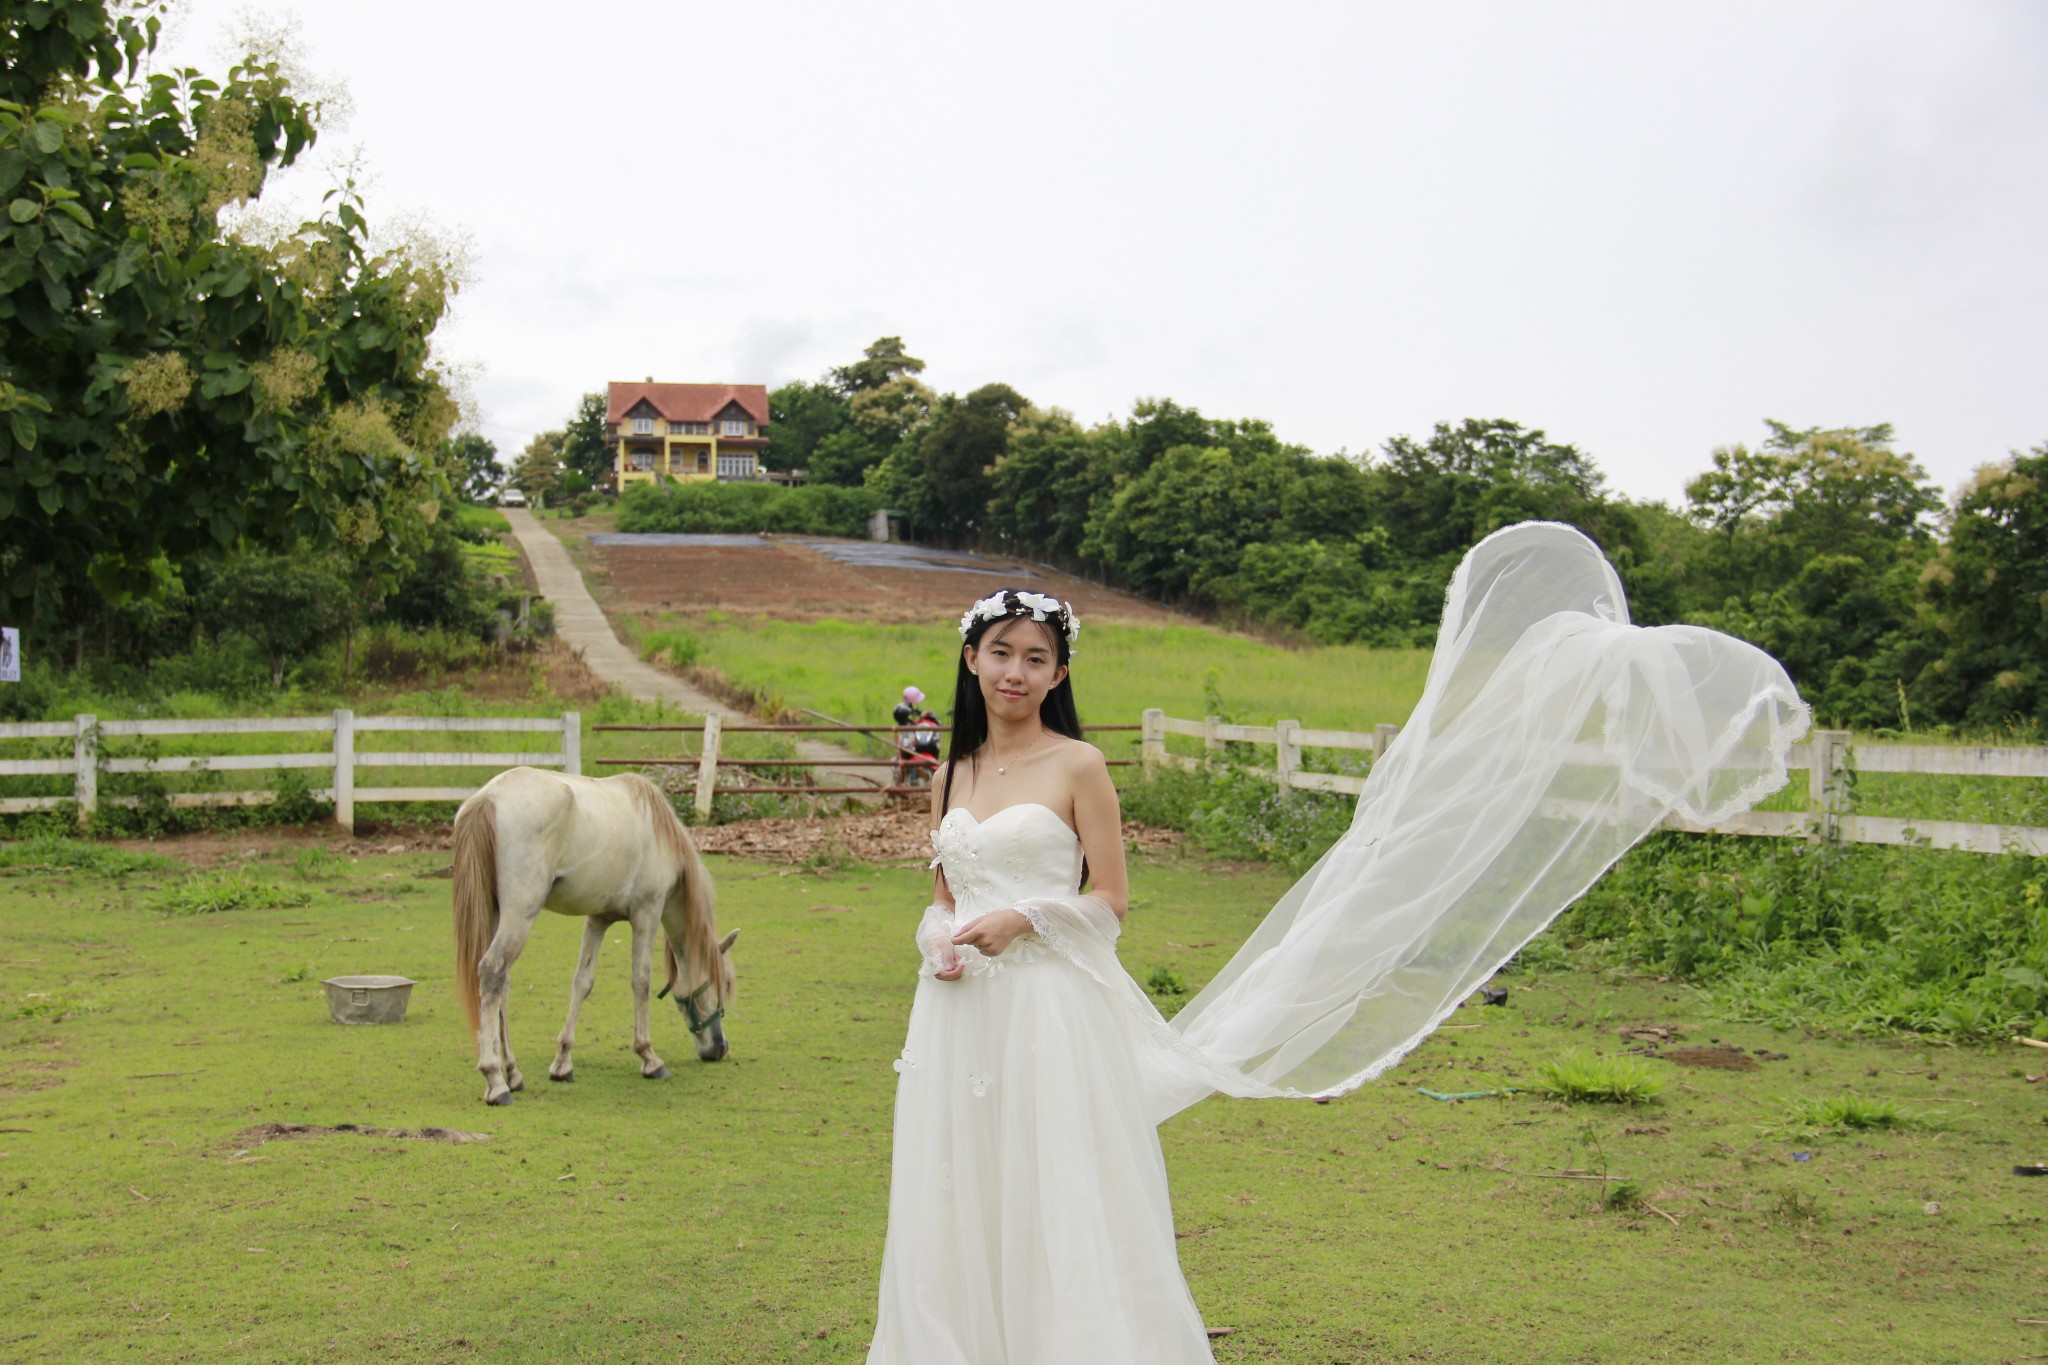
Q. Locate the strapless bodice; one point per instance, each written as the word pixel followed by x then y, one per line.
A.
pixel 1018 853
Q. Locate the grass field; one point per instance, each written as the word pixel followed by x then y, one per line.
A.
pixel 735 1212
pixel 857 670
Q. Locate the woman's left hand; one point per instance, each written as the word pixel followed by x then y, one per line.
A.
pixel 994 932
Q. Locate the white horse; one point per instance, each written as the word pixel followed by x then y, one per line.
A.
pixel 607 850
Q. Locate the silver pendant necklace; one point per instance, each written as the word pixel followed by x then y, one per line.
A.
pixel 1027 749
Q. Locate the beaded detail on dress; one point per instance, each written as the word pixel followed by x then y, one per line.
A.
pixel 987 874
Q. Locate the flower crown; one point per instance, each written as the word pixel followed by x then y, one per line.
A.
pixel 1014 602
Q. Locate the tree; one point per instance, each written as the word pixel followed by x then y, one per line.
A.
pixel 966 438
pixel 472 462
pixel 882 362
pixel 802 416
pixel 584 448
pixel 287 604
pixel 538 472
pixel 170 390
pixel 1045 488
pixel 1988 590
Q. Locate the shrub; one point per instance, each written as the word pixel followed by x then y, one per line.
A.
pixel 739 508
pixel 1233 813
pixel 1861 938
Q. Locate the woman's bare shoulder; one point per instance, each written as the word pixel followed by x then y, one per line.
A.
pixel 1080 758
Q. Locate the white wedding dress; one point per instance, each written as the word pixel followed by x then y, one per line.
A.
pixel 1028 1213
pixel 1028 1216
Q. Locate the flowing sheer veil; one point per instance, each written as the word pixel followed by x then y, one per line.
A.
pixel 1551 736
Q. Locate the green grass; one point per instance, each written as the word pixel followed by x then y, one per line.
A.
pixel 56 853
pixel 857 671
pixel 735 1212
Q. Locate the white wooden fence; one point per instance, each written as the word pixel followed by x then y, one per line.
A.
pixel 1825 757
pixel 341 759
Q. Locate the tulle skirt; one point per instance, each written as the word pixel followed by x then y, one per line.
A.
pixel 1029 1222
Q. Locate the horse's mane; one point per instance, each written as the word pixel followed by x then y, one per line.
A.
pixel 700 929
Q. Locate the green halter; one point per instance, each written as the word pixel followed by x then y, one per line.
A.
pixel 698 1023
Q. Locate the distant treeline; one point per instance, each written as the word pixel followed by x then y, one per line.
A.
pixel 1831 548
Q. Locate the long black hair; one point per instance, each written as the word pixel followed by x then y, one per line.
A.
pixel 970 712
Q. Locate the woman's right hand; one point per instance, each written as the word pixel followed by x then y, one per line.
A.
pixel 950 965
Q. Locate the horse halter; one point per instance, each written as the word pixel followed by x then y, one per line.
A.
pixel 698 1023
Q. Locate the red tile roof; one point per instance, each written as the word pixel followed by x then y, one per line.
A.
pixel 688 402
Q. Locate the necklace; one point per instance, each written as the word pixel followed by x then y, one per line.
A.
pixel 1004 768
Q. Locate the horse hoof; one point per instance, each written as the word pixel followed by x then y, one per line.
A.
pixel 517 1085
pixel 565 1077
pixel 501 1100
pixel 658 1074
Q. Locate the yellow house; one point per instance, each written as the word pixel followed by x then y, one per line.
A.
pixel 686 431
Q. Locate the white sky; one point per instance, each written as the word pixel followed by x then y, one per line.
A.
pixel 1642 228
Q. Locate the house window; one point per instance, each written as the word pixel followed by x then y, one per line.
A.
pixel 733 426
pixel 735 466
pixel 676 428
pixel 643 426
pixel 696 428
pixel 643 459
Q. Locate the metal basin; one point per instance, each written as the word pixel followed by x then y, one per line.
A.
pixel 367 999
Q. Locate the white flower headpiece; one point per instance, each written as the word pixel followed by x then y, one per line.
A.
pixel 1013 602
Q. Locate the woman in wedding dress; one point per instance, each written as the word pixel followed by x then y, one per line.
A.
pixel 1028 1213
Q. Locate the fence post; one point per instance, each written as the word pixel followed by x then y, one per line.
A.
pixel 1212 743
pixel 707 767
pixel 1382 739
pixel 1288 758
pixel 85 754
pixel 345 770
pixel 572 743
pixel 1152 743
pixel 1824 786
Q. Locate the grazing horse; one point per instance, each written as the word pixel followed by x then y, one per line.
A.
pixel 607 850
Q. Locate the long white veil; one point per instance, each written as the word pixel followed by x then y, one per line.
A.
pixel 1551 736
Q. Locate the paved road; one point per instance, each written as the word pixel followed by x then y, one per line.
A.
pixel 582 624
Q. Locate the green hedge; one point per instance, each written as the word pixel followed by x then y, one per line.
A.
pixel 815 509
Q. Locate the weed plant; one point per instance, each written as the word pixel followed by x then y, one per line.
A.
pixel 1814 1116
pixel 1857 938
pixel 217 892
pixel 1588 1078
pixel 676 648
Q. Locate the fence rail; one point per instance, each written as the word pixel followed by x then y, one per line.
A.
pixel 1826 757
pixel 341 759
pixel 709 759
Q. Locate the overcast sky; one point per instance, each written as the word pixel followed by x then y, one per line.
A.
pixel 1642 228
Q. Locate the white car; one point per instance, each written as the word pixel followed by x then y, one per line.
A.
pixel 511 497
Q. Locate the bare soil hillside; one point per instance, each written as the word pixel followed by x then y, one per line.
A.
pixel 806 578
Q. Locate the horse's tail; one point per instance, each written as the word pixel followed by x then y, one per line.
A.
pixel 476 897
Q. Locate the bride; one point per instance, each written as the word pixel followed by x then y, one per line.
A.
pixel 1028 1215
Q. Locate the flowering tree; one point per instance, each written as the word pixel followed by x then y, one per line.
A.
pixel 171 389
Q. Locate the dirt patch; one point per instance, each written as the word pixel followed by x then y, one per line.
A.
pixel 789 580
pixel 214 848
pixel 249 1139
pixel 1714 1058
pixel 884 836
